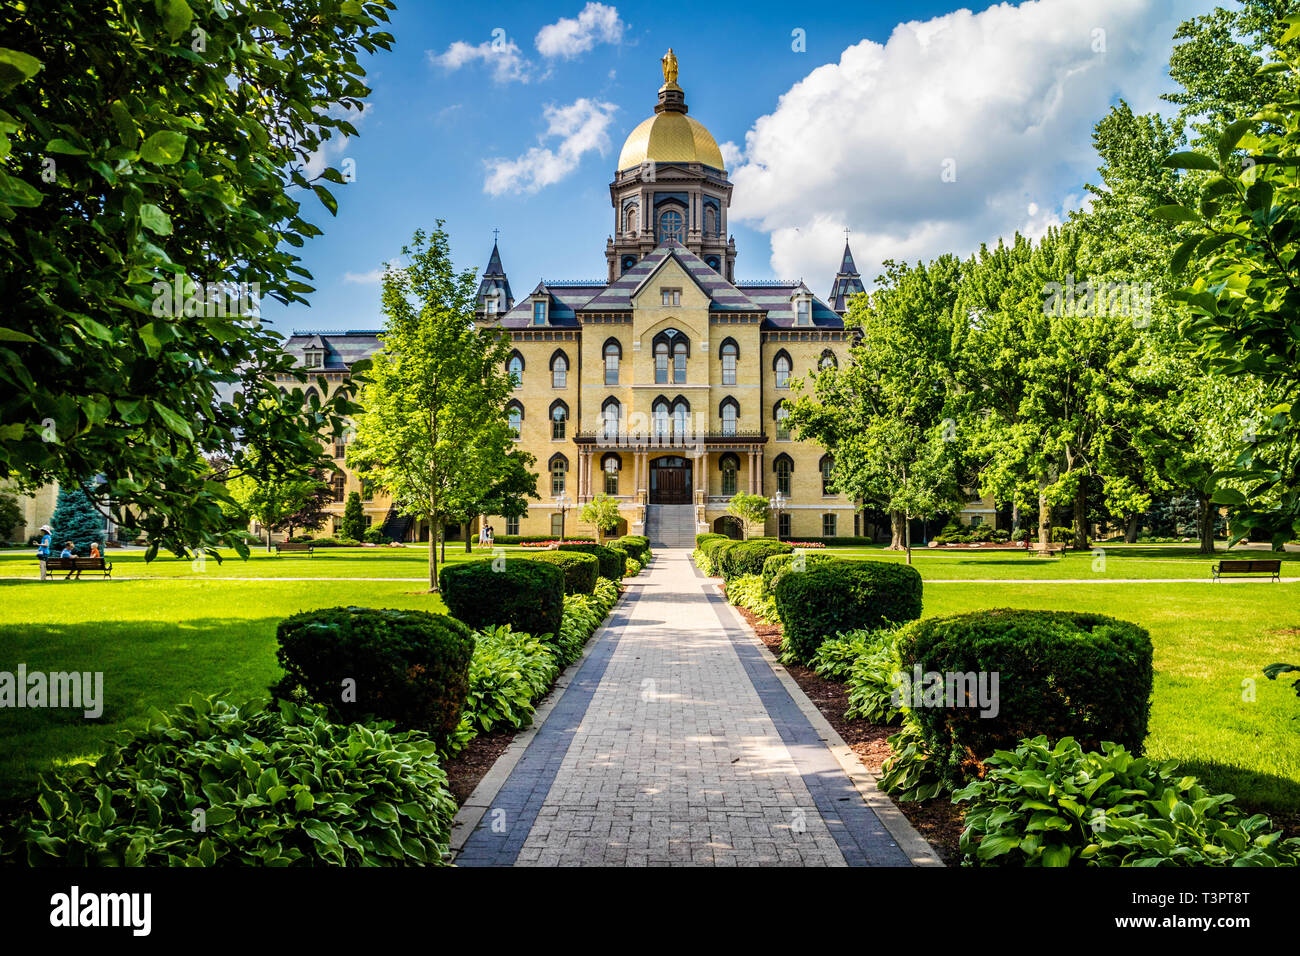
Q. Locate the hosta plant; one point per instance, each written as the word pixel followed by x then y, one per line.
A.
pixel 507 674
pixel 747 591
pixel 909 773
pixel 1045 805
pixel 874 679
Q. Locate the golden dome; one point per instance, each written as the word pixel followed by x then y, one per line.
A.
pixel 670 137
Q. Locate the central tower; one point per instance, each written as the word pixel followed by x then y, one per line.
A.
pixel 670 184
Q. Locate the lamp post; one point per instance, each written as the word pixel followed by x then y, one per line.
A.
pixel 777 504
pixel 563 503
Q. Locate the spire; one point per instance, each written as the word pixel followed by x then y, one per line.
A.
pixel 494 295
pixel 847 281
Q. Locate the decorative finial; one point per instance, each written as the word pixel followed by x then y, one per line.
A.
pixel 670 67
pixel 495 233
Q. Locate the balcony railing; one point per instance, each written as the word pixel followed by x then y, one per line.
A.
pixel 623 439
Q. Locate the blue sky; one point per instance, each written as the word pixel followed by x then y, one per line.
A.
pixel 957 126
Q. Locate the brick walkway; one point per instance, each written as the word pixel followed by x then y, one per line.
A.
pixel 676 743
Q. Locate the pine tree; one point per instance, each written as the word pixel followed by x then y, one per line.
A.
pixel 75 519
pixel 354 522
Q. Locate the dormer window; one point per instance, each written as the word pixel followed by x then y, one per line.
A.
pixel 539 312
pixel 671 296
pixel 803 311
pixel 313 358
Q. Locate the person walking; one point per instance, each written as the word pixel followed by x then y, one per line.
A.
pixel 484 538
pixel 43 549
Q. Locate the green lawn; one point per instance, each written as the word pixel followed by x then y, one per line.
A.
pixel 164 630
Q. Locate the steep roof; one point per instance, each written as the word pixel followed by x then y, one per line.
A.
pixel 847 282
pixel 723 296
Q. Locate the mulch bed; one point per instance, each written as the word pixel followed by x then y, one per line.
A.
pixel 472 764
pixel 938 820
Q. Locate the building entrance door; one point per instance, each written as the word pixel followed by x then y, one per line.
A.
pixel 670 481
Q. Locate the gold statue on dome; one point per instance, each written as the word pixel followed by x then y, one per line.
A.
pixel 670 68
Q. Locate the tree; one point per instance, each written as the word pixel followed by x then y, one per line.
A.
pixel 601 512
pixel 883 415
pixel 354 520
pixel 749 509
pixel 11 516
pixel 75 519
pixel 507 495
pixel 150 194
pixel 432 429
pixel 281 502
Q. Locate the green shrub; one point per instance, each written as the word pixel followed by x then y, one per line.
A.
pixel 611 561
pixel 720 554
pixel 528 595
pixel 535 538
pixel 623 552
pixel 1059 673
pixel 580 570
pixel 638 546
pixel 703 563
pixel 583 613
pixel 410 667
pixel 873 682
pixel 1065 535
pixel 747 557
pixel 843 596
pixel 353 524
pixel 376 535
pixel 507 674
pixel 909 772
pixel 710 550
pixel 746 591
pixel 1041 805
pixel 710 536
pixel 777 565
pixel 276 787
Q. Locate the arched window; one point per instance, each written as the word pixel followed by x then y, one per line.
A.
pixel 730 413
pixel 661 363
pixel 515 416
pixel 679 363
pixel 310 394
pixel 781 364
pixel 730 353
pixel 782 414
pixel 610 412
pixel 670 343
pixel 559 370
pixel 610 466
pixel 559 471
pixel 630 218
pixel 559 418
pixel 671 225
pixel 826 465
pixel 613 355
pixel 660 414
pixel 681 417
pixel 515 366
pixel 710 221
pixel 729 465
pixel 784 468
pixel 827 360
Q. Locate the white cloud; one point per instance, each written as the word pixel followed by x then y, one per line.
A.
pixel 501 54
pixel 374 275
pixel 1006 97
pixel 582 127
pixel 732 154
pixel 567 37
pixel 333 149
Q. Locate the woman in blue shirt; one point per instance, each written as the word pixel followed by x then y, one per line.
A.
pixel 43 549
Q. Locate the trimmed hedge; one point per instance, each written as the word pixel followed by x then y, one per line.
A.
pixel 710 536
pixel 638 546
pixel 580 570
pixel 534 538
pixel 528 595
pixel 1060 674
pixel 843 596
pixel 747 557
pixel 410 667
pixel 777 564
pixel 612 563
pixel 712 546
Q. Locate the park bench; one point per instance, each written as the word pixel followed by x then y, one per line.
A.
pixel 77 565
pixel 1273 567
pixel 294 546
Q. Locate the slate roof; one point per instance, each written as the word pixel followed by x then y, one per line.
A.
pixel 341 348
pixel 723 296
pixel 847 283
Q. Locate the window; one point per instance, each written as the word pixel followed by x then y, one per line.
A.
pixel 783 525
pixel 610 412
pixel 671 226
pixel 661 363
pixel 730 412
pixel 782 416
pixel 730 465
pixel 515 417
pixel 628 262
pixel 559 370
pixel 339 484
pixel 730 353
pixel 557 524
pixel 681 418
pixel 512 526
pixel 539 312
pixel 629 218
pixel 710 220
pixel 613 353
pixel 803 312
pixel 559 416
pixel 660 419
pixel 827 360
pixel 610 465
pixel 782 366
pixel 515 366
pixel 679 363
pixel 559 470
pixel 491 304
pixel 826 465
pixel 671 296
pixel 784 468
pixel 828 526
pixel 313 358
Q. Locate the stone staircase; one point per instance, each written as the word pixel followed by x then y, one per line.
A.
pixel 670 526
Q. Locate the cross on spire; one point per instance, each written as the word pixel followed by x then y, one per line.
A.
pixel 497 232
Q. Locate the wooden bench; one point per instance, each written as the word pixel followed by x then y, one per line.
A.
pixel 77 565
pixel 1273 567
pixel 295 546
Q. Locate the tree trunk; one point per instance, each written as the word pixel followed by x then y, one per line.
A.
pixel 1044 525
pixel 1131 529
pixel 1081 516
pixel 1205 515
pixel 897 531
pixel 1015 519
pixel 468 525
pixel 433 554
pixel 442 540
